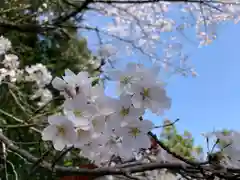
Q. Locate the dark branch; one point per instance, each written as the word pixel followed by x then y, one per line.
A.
pixel 156 1
pixel 98 172
pixel 36 164
pixel 188 170
pixel 32 28
pixel 79 9
pixel 61 155
pixel 168 124
pixel 162 145
pixel 20 126
pixel 36 28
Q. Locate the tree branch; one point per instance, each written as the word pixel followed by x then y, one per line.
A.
pixel 79 9
pixel 36 28
pixel 168 124
pixel 189 170
pixel 193 163
pixel 156 1
pixel 19 120
pixel 33 28
pixel 3 160
pixel 98 171
pixel 20 126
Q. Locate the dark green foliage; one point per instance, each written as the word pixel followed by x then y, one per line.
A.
pixel 56 50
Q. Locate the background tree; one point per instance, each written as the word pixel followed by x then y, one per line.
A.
pixel 57 50
pixel 182 144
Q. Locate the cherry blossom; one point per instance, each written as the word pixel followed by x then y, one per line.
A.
pixel 83 137
pixel 60 131
pixel 44 94
pixel 5 45
pixel 103 127
pixel 108 124
pixel 141 26
pixel 150 95
pixel 96 93
pixel 134 134
pixel 72 84
pixel 99 124
pixel 105 105
pixel 39 74
pixel 11 61
pixel 81 81
pixel 66 89
pixel 125 110
pixel 79 111
pixel 124 78
pixel 10 70
pixel 231 146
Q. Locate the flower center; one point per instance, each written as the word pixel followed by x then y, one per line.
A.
pixel 125 79
pixel 124 111
pixel 146 92
pixel 134 131
pixel 94 122
pixel 61 131
pixel 78 113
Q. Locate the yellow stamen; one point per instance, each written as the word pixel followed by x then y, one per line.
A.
pixel 124 111
pixel 61 131
pixel 125 79
pixel 145 92
pixel 94 122
pixel 78 113
pixel 134 132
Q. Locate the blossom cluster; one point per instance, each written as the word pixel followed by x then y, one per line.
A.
pixel 228 146
pixel 9 62
pixel 159 31
pixel 145 27
pixel 103 126
pixel 38 74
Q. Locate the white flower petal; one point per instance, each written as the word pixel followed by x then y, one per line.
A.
pixel 58 83
pixel 57 119
pixel 68 72
pixel 59 144
pixel 49 132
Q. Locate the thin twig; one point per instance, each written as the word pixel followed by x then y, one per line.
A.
pixel 168 124
pixel 157 1
pixel 18 103
pixel 20 126
pixel 3 160
pixel 62 19
pixel 62 154
pixel 18 120
pixel 36 164
pixel 13 169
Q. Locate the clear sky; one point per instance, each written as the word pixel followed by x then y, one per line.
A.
pixel 212 100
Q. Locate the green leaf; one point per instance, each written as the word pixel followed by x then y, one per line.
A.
pixel 95 81
pixel 68 163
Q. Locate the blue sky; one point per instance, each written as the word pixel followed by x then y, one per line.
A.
pixel 210 101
